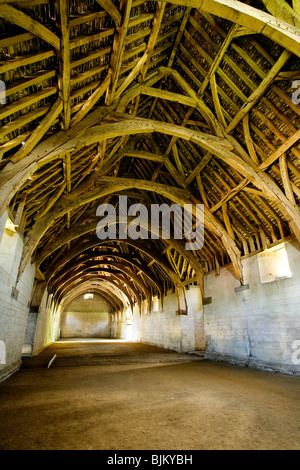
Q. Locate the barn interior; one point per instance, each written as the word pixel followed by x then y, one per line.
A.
pixel 111 110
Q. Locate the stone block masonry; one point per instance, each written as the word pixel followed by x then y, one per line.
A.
pixel 163 328
pixel 255 325
pixel 84 318
pixel 14 301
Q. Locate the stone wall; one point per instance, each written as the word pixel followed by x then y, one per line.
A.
pixel 48 322
pixel 120 326
pixel 258 324
pixel 14 300
pixel 164 328
pixel 85 318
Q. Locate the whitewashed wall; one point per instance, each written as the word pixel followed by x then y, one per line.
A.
pixel 48 323
pixel 163 328
pixel 84 318
pixel 118 327
pixel 14 300
pixel 259 324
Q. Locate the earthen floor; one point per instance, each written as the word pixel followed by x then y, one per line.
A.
pixel 113 395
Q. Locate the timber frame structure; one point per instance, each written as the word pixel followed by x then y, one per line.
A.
pixel 186 102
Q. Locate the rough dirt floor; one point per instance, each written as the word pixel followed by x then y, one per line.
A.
pixel 167 402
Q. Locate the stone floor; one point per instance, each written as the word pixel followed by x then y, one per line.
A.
pixel 113 395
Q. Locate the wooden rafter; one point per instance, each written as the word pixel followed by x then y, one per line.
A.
pixel 40 131
pixel 243 14
pixel 118 49
pixel 64 60
pixel 258 93
pixel 281 9
pixel 281 150
pixel 92 100
pixel 157 21
pixel 176 195
pixel 11 14
pixel 112 10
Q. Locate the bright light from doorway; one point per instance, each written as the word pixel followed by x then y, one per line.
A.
pixel 88 296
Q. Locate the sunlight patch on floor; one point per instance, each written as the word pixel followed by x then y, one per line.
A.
pixel 92 340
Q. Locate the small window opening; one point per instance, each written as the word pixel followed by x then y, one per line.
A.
pixel 88 296
pixel 274 264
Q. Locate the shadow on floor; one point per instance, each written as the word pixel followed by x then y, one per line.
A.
pixel 94 351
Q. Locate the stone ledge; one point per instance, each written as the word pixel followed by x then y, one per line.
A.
pixel 242 288
pixel 254 363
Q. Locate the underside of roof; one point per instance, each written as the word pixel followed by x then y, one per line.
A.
pixel 189 102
